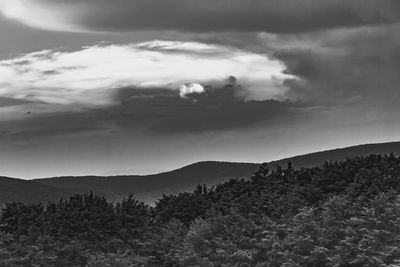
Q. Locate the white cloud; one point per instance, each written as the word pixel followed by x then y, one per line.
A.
pixel 90 76
pixel 192 88
pixel 36 14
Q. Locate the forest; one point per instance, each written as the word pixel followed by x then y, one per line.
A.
pixel 340 213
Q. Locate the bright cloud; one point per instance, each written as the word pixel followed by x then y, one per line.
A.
pixel 35 14
pixel 193 88
pixel 90 76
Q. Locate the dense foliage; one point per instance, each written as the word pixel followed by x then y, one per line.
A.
pixel 338 214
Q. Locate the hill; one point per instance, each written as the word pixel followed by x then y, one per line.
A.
pixel 313 159
pixel 12 189
pixel 25 191
pixel 150 187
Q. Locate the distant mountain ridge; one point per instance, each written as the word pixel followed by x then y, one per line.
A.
pixel 312 159
pixel 12 189
pixel 150 187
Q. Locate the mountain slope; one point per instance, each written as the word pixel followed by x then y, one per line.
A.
pixel 28 191
pixel 150 187
pixel 313 159
pixel 25 191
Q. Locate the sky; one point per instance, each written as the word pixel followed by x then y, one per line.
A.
pixel 143 86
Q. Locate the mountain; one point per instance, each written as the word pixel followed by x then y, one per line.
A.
pixel 313 159
pixel 25 191
pixel 12 189
pixel 150 187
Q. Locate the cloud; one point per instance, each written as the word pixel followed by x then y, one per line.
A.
pixel 56 124
pixel 354 71
pixel 217 109
pixel 189 89
pixel 349 66
pixel 280 16
pixel 90 76
pixel 156 111
pixel 208 114
pixel 7 102
pixel 35 14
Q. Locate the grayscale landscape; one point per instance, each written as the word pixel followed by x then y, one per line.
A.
pixel 200 133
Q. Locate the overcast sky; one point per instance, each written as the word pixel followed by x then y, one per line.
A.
pixel 143 86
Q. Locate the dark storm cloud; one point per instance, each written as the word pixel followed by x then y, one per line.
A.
pixel 160 111
pixel 351 66
pixel 36 126
pixel 333 67
pixel 281 16
pixel 6 102
pixel 163 111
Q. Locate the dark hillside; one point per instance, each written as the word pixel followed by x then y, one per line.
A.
pixel 149 188
pixel 313 159
pixel 169 182
pixel 28 191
